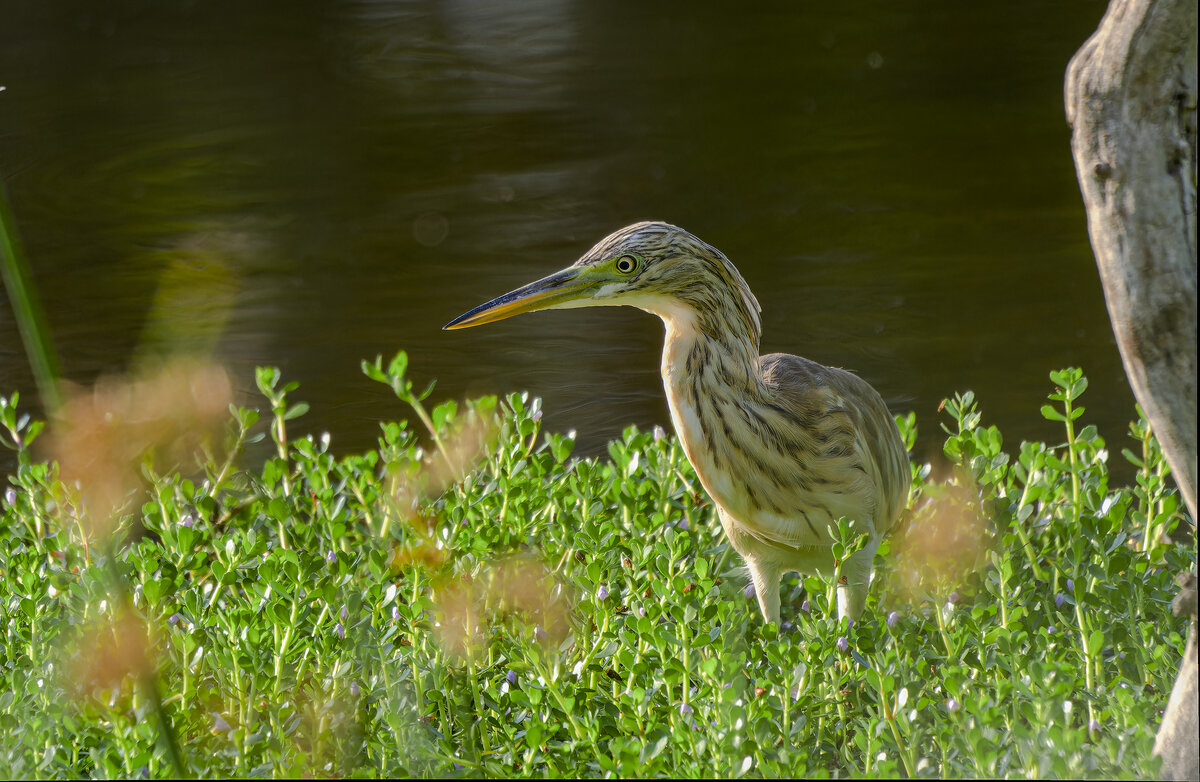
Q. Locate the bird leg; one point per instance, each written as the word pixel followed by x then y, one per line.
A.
pixel 854 579
pixel 765 576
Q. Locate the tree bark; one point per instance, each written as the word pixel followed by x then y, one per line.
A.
pixel 1131 101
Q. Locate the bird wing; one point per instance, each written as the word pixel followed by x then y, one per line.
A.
pixel 842 454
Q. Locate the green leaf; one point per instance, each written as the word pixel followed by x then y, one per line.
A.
pixel 295 411
pixel 533 734
pixel 444 413
pixel 374 370
pixel 398 365
pixel 653 750
pixel 266 378
pixel 1051 414
pixel 154 590
pixel 428 390
pixel 185 537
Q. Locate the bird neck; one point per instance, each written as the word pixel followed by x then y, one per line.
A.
pixel 697 358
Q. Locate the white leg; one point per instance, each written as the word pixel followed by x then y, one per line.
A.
pixel 766 588
pixel 855 578
pixel 764 573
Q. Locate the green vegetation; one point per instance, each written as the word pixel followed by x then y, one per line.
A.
pixel 395 613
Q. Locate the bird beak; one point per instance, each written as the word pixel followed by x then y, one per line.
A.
pixel 558 290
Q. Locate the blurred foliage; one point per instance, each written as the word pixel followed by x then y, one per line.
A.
pixel 465 599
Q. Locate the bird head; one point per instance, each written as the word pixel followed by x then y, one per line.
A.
pixel 653 266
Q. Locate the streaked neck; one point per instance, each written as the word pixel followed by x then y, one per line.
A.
pixel 692 356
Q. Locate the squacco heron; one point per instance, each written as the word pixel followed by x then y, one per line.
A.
pixel 784 446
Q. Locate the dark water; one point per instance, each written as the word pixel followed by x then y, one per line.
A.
pixel 312 183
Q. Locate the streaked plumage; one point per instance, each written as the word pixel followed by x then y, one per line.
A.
pixel 783 445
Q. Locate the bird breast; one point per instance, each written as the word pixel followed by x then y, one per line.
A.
pixel 784 471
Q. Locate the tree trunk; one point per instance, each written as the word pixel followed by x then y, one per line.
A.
pixel 1131 101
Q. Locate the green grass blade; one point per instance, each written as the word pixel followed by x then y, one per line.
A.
pixel 31 322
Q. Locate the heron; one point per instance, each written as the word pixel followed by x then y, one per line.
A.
pixel 785 447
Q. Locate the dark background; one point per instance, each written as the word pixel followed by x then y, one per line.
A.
pixel 307 184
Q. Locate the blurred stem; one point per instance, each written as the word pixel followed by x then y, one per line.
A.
pixel 1003 598
pixel 416 405
pixel 1147 506
pixel 479 726
pixel 31 321
pixel 234 452
pixel 685 686
pixel 890 716
pixel 148 676
pixel 1020 529
pixel 1071 449
pixel 941 623
pixel 1089 665
pixel 281 448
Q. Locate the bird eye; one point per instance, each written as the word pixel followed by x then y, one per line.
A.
pixel 626 264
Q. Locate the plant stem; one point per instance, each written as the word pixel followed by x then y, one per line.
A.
pixel 31 321
pixel 1074 459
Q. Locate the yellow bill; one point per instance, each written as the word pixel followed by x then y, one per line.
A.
pixel 559 289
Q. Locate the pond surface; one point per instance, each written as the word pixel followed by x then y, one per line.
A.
pixel 310 184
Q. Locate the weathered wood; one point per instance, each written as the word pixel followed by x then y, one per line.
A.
pixel 1131 101
pixel 1177 738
